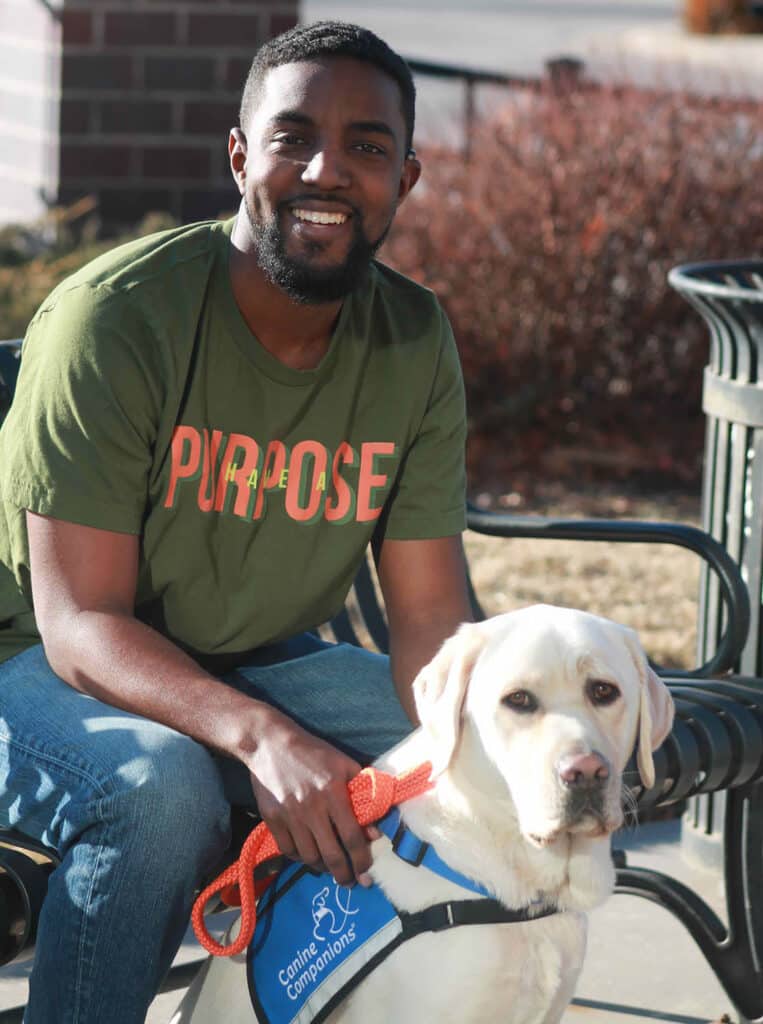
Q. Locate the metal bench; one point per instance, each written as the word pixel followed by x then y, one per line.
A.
pixel 716 745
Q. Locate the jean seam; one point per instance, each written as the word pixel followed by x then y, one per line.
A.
pixel 64 766
pixel 84 919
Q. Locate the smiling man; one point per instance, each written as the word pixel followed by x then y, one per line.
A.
pixel 210 427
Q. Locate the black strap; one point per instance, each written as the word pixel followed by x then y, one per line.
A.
pixel 459 912
pixel 409 847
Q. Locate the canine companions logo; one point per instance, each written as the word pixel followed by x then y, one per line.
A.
pixel 332 935
pixel 323 916
pixel 312 939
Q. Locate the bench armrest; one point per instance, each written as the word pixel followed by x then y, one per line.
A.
pixel 732 586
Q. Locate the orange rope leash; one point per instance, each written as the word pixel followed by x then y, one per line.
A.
pixel 372 793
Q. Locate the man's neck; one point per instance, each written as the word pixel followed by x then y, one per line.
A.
pixel 297 335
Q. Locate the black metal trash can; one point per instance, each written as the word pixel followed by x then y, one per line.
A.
pixel 729 295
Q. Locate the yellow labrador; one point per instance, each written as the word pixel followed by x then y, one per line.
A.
pixel 528 719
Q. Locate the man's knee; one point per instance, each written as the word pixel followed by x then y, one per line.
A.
pixel 169 798
pixel 176 777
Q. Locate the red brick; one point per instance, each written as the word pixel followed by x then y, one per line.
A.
pixel 75 117
pixel 124 29
pixel 140 116
pixel 77 27
pixel 96 72
pixel 224 30
pixel 209 118
pixel 191 74
pixel 179 162
pixel 236 70
pixel 280 23
pixel 94 161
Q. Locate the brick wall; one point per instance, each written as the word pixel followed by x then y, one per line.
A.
pixel 135 104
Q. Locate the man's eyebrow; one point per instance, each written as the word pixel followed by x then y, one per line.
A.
pixel 294 116
pixel 378 127
pixel 297 117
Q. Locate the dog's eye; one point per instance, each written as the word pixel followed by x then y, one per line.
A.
pixel 520 700
pixel 602 692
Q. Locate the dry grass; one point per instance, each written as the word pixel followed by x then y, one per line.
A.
pixel 652 588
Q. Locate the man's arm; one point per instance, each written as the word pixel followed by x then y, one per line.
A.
pixel 83 585
pixel 426 598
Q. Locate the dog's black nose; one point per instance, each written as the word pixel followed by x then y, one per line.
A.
pixel 583 769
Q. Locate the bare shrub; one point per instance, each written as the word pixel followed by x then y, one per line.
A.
pixel 550 250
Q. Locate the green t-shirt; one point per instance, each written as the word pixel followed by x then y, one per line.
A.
pixel 144 405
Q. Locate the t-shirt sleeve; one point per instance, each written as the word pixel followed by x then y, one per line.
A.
pixel 77 443
pixel 428 499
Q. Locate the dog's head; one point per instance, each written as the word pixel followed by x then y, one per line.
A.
pixel 549 703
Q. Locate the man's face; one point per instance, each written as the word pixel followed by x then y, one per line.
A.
pixel 321 170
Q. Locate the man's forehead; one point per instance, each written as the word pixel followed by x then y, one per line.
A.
pixel 342 85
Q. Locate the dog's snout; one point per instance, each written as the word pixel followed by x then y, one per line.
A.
pixel 583 769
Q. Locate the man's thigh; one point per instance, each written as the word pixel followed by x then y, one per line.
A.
pixel 62 753
pixel 340 692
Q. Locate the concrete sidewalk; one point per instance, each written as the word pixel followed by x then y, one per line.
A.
pixel 641 965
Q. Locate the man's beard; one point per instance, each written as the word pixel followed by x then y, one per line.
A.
pixel 301 280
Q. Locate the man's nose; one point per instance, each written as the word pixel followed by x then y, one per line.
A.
pixel 327 169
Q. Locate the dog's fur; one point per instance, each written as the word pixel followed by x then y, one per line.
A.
pixel 503 814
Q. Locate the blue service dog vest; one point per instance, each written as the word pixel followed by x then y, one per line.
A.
pixel 315 940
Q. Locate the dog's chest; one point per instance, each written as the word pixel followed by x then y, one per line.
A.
pixel 512 973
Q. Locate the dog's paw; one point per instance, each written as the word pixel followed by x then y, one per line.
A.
pixel 590 874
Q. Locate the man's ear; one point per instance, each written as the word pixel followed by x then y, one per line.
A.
pixel 409 175
pixel 439 690
pixel 237 151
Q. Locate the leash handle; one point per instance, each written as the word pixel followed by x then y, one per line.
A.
pixel 371 792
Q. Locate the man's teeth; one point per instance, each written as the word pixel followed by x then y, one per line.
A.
pixel 320 217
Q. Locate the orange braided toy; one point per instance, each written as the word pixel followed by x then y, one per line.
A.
pixel 372 793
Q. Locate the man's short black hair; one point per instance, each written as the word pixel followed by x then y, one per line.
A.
pixel 329 39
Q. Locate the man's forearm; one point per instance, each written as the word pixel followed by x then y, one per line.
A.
pixel 427 598
pixel 413 644
pixel 125 663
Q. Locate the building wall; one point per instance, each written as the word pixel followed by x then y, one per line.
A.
pixel 30 71
pixel 148 90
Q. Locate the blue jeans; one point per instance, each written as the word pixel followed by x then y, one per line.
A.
pixel 139 813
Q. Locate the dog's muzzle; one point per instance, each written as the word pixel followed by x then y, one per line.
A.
pixel 584 779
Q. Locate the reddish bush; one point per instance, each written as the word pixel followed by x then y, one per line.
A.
pixel 550 250
pixel 721 16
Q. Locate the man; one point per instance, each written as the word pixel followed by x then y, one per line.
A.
pixel 210 426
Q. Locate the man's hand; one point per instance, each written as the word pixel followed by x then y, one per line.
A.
pixel 300 785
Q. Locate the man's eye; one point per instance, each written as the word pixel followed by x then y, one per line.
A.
pixel 290 139
pixel 369 147
pixel 520 700
pixel 601 692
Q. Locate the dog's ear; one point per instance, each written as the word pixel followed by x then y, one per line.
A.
pixel 656 711
pixel 439 690
pixel 655 722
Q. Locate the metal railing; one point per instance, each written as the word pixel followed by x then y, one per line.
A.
pixel 562 71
